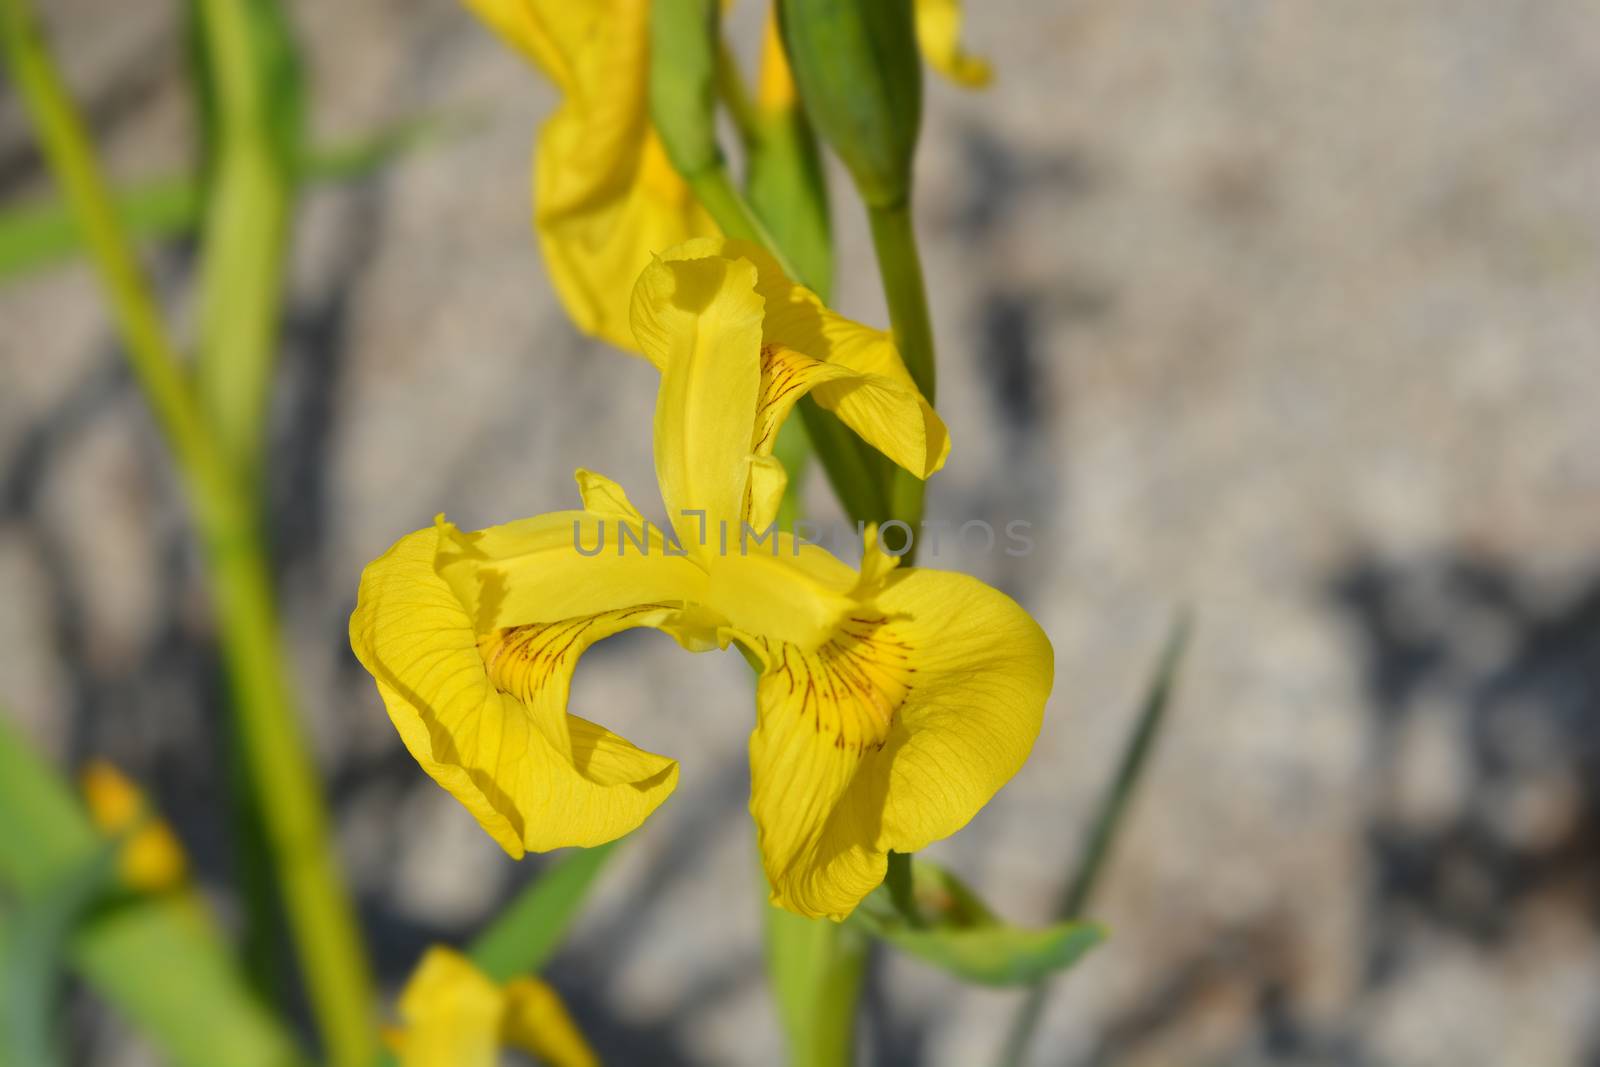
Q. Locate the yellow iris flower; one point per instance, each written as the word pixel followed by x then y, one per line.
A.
pixel 453 1015
pixel 892 703
pixel 605 196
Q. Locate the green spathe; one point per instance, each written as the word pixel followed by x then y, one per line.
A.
pixel 860 76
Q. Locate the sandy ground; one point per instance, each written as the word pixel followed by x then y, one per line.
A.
pixel 1282 310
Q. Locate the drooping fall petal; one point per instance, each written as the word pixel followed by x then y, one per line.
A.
pixel 895 733
pixel 484 713
pixel 605 195
pixel 699 321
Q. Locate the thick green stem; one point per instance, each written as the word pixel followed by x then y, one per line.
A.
pixel 732 212
pixel 245 235
pixel 66 145
pixel 289 791
pixel 895 241
pixel 816 967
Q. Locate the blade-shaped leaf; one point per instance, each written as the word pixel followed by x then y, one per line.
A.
pixel 195 1005
pixel 958 933
pixel 32 956
pixel 523 937
pixel 38 235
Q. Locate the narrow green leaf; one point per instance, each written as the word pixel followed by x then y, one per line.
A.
pixel 524 936
pixel 1096 851
pixel 195 1007
pixel 43 234
pixel 959 934
pixel 33 957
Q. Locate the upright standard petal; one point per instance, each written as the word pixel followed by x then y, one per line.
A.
pixel 699 321
pixel 605 195
pixel 852 370
pixel 484 711
pixel 891 735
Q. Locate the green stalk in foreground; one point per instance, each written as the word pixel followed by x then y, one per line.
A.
pixel 250 87
pixel 291 798
pixel 816 967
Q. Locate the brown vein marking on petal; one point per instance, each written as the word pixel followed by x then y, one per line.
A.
pixel 783 371
pixel 521 659
pixel 853 685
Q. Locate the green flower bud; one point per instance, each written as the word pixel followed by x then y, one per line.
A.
pixel 860 76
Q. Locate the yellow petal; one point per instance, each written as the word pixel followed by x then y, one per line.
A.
pixel 565 564
pixel 699 321
pixel 451 1014
pixel 867 386
pixel 939 34
pixel 597 233
pixel 605 195
pixel 788 592
pixel 537 1022
pixel 822 715
pixel 984 670
pixel 551 34
pixel 892 736
pixel 500 741
pixel 152 858
pixel 775 89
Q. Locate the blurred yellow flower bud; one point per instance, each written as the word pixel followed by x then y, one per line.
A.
pixel 152 859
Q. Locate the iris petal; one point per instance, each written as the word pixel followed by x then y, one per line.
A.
pixel 891 736
pixel 534 776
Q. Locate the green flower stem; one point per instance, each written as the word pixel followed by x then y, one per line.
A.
pixel 732 212
pixel 66 145
pixel 816 967
pixel 225 516
pixel 245 233
pixel 895 241
pixel 288 790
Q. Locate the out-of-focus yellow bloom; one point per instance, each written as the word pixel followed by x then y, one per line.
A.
pixel 152 860
pixel 453 1015
pixel 939 36
pixel 892 703
pixel 605 196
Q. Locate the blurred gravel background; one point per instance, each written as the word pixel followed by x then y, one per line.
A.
pixel 1286 310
